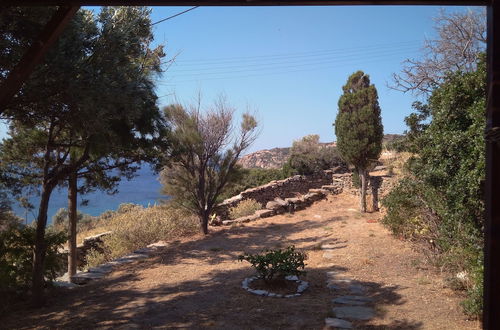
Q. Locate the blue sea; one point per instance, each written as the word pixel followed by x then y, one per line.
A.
pixel 144 189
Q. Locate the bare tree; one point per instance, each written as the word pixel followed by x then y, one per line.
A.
pixel 461 39
pixel 203 155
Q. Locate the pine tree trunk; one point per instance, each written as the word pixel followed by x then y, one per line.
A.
pixel 72 215
pixel 375 187
pixel 40 248
pixel 204 222
pixel 362 195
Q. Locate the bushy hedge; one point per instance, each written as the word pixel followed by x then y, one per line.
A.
pixel 441 199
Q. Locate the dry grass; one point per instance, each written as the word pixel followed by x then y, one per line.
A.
pixel 396 162
pixel 244 208
pixel 139 227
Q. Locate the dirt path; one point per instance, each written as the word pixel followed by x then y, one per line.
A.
pixel 195 283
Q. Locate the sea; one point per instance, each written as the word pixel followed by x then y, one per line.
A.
pixel 144 189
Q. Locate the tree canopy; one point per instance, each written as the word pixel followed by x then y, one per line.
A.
pixel 203 156
pixel 358 126
pixel 90 107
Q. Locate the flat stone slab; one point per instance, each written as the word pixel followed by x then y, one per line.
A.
pixel 359 298
pixel 354 312
pixel 328 247
pixel 104 269
pixel 145 250
pixel 63 284
pixel 264 213
pixel 85 277
pixel 345 300
pixel 328 255
pixel 332 273
pixel 158 244
pixel 357 289
pixel 338 323
pixel 340 281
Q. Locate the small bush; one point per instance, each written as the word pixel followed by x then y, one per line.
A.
pixel 139 227
pixel 16 256
pixel 277 264
pixel 244 208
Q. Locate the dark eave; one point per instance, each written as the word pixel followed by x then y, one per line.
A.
pixel 243 2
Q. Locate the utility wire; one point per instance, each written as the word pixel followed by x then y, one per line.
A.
pixel 329 58
pixel 293 55
pixel 172 81
pixel 285 65
pixel 178 14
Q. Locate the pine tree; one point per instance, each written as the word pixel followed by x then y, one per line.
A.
pixel 358 127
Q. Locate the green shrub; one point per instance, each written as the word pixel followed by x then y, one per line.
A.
pixel 17 245
pixel 139 227
pixel 277 264
pixel 84 222
pixel 440 201
pixel 244 208
pixel 308 156
pixel 356 181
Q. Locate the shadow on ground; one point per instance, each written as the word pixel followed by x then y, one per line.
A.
pixel 127 299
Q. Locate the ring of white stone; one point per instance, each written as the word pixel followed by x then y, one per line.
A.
pixel 302 286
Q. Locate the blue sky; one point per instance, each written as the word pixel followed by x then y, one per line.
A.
pixel 288 64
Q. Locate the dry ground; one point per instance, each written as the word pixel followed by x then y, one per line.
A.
pixel 195 283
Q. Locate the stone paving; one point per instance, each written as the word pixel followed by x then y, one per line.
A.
pixel 96 273
pixel 347 307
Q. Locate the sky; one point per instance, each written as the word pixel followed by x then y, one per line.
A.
pixel 287 65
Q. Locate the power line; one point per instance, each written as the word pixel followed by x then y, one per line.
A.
pixel 286 65
pixel 293 55
pixel 304 61
pixel 178 14
pixel 372 59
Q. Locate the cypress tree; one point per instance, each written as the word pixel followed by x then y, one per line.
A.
pixel 358 127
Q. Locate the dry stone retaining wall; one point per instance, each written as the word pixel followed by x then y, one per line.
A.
pixel 89 243
pixel 288 188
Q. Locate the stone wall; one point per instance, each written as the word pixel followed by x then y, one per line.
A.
pixel 288 188
pixel 382 184
pixel 89 243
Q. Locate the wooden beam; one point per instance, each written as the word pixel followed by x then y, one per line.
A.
pixel 491 315
pixel 35 54
pixel 242 2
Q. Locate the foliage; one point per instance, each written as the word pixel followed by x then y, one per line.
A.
pixel 244 208
pixel 139 227
pixel 461 38
pixel 441 199
pixel 277 264
pixel 203 156
pixel 67 120
pixel 358 127
pixel 85 222
pixel 307 156
pixel 16 256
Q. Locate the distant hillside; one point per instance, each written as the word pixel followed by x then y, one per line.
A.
pixel 390 138
pixel 272 158
pixel 277 157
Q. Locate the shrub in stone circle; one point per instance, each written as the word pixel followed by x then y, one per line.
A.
pixel 273 265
